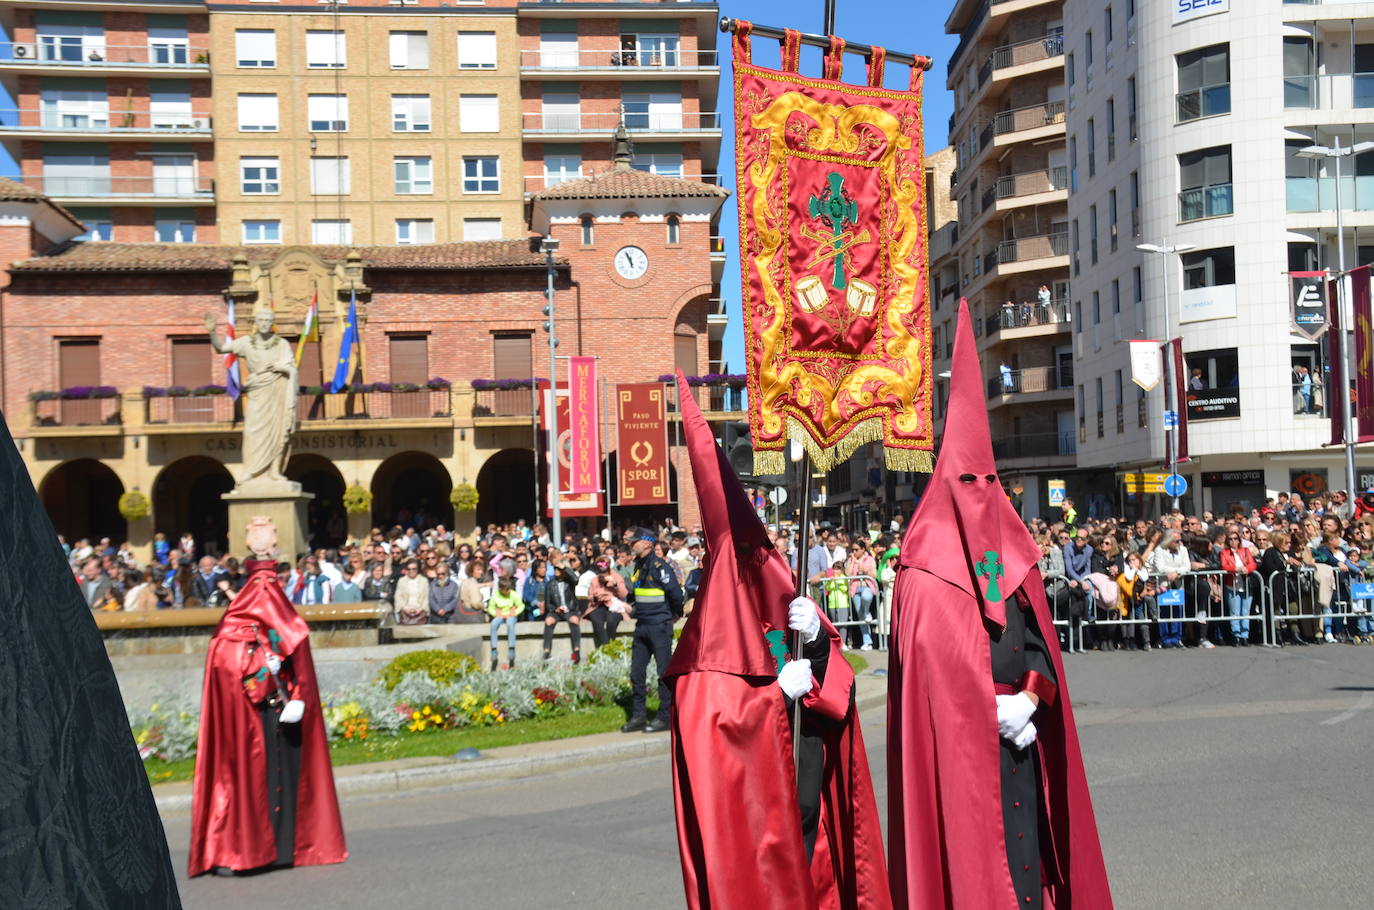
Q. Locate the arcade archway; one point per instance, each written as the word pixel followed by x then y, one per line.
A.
pixel 411 489
pixel 82 499
pixel 505 488
pixel 186 498
pixel 326 520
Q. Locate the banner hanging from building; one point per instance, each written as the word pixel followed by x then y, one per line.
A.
pixel 1364 354
pixel 1338 386
pixel 570 504
pixel 1308 301
pixel 1176 396
pixel 642 445
pixel 1146 364
pixel 584 444
pixel 832 260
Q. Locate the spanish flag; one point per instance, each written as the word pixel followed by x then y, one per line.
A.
pixel 311 330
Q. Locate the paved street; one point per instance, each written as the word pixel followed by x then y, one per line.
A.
pixel 1229 779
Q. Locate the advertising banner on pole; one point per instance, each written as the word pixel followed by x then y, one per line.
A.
pixel 1308 303
pixel 642 445
pixel 1338 387
pixel 1364 354
pixel 584 426
pixel 833 260
pixel 1146 365
pixel 570 504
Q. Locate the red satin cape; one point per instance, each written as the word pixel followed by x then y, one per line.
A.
pixel 229 811
pixel 946 843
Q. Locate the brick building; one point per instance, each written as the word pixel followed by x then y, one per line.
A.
pixel 127 317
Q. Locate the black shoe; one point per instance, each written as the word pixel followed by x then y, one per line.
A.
pixel 635 725
pixel 222 871
pixel 657 725
pixel 1245 642
pixel 493 663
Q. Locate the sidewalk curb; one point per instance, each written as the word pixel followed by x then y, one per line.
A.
pixel 444 774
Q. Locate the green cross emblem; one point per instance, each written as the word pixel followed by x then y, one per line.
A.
pixel 836 209
pixel 991 569
pixel 777 646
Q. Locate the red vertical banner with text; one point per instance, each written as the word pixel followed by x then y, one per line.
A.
pixel 1364 355
pixel 642 444
pixel 1338 387
pixel 584 443
pixel 570 503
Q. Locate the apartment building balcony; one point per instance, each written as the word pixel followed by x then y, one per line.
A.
pixel 1029 319
pixel 631 65
pixel 717 318
pixel 1026 254
pixel 1008 63
pixel 103 125
pixel 653 125
pixel 718 257
pixel 1024 124
pixel 975 21
pixel 1326 99
pixel 107 189
pixel 1031 188
pixel 1051 449
pixel 1031 385
pixel 535 183
pixel 55 58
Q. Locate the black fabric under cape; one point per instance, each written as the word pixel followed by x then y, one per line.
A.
pixel 78 826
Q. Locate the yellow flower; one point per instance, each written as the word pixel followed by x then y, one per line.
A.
pixel 422 726
pixel 414 715
pixel 426 710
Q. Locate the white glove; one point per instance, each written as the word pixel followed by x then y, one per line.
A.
pixel 273 663
pixel 803 615
pixel 1013 713
pixel 293 712
pixel 795 678
pixel 1026 737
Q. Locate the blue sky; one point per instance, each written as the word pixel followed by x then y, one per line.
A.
pixel 902 26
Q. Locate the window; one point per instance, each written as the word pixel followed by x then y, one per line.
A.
pixel 1069 70
pixel 1073 164
pixel 1204 83
pixel 1111 129
pixel 1205 179
pixel 326 50
pixel 1092 234
pixel 329 176
pixel 174 174
pixel 414 230
pixel 72 108
pixel 258 113
pixel 1213 384
pixel 561 166
pixel 1120 402
pixel 674 233
pixel 481 174
pixel 1299 73
pixel 168 44
pixel 174 230
pixel 262 232
pixel 414 175
pixel 171 109
pixel 669 164
pixel 1111 220
pixel 652 110
pixel 1135 203
pixel 327 113
pixel 260 176
pixel 408 356
pixel 1075 247
pixel 97 228
pixel 481 228
pixel 1092 148
pixel 409 50
pixel 562 111
pixel 1097 387
pixel 588 230
pixel 77 173
pixel 1138 299
pixel 70 43
pixel 255 47
pixel 478 114
pixel 1209 268
pixel 558 49
pixel 477 50
pixel 331 230
pixel 1132 126
pixel 1302 256
pixel 410 113
pixel 1088 57
pixel 648 49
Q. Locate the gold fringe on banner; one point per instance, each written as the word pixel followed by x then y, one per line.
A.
pixel 825 458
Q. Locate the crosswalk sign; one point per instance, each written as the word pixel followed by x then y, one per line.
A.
pixel 1056 492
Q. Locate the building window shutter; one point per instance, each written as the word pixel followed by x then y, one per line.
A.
pixel 78 364
pixel 685 354
pixel 192 368
pixel 512 358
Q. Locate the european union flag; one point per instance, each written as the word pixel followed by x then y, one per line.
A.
pixel 347 348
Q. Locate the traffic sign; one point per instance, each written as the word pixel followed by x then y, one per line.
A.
pixel 1175 485
pixel 1056 488
pixel 1144 483
pixel 1170 419
pixel 778 495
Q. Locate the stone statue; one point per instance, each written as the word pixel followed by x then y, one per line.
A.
pixel 261 537
pixel 269 413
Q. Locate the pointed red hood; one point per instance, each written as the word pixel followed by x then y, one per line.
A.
pixel 746 584
pixel 966 531
pixel 263 602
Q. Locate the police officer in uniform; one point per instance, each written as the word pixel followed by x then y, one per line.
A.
pixel 657 600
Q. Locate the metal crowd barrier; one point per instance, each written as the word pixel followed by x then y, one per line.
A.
pixel 1350 602
pixel 877 624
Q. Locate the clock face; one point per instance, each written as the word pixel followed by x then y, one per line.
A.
pixel 631 263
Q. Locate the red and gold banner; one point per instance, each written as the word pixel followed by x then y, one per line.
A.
pixel 1364 355
pixel 585 438
pixel 570 504
pixel 642 444
pixel 833 259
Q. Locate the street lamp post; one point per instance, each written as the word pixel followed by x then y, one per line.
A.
pixel 1336 153
pixel 1163 251
pixel 548 246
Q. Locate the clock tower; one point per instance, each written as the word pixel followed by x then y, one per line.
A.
pixel 645 273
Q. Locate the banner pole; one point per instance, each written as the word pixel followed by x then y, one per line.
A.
pixel 803 552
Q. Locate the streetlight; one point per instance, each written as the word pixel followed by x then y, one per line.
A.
pixel 548 246
pixel 1164 251
pixel 1319 152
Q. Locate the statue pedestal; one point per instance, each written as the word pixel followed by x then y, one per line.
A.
pixel 283 503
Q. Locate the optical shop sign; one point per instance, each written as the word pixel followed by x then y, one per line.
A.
pixel 1193 9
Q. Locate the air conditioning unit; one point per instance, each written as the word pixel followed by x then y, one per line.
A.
pixel 200 123
pixel 25 50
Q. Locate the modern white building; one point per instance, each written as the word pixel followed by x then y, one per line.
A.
pixel 1185 123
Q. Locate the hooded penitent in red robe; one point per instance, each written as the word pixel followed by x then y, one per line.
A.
pixel 967 582
pixel 249 767
pixel 735 790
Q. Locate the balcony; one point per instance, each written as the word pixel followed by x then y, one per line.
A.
pixel 75 412
pixel 655 123
pixel 1035 445
pixel 1029 315
pixel 719 398
pixel 1205 202
pixel 1026 249
pixel 1047 47
pixel 105 188
pixel 1032 183
pixel 103 124
pixel 1030 381
pixel 1025 119
pixel 310 407
pixel 718 257
pixel 55 55
pixel 717 317
pixel 503 404
pixel 1337 91
pixel 535 183
pixel 623 64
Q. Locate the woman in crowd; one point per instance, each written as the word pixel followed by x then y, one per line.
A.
pixel 863 588
pixel 138 593
pixel 535 590
pixel 443 595
pixel 379 584
pixel 1051 565
pixel 1131 603
pixel 606 605
pixel 411 596
pixel 1275 568
pixel 560 602
pixel 1239 566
